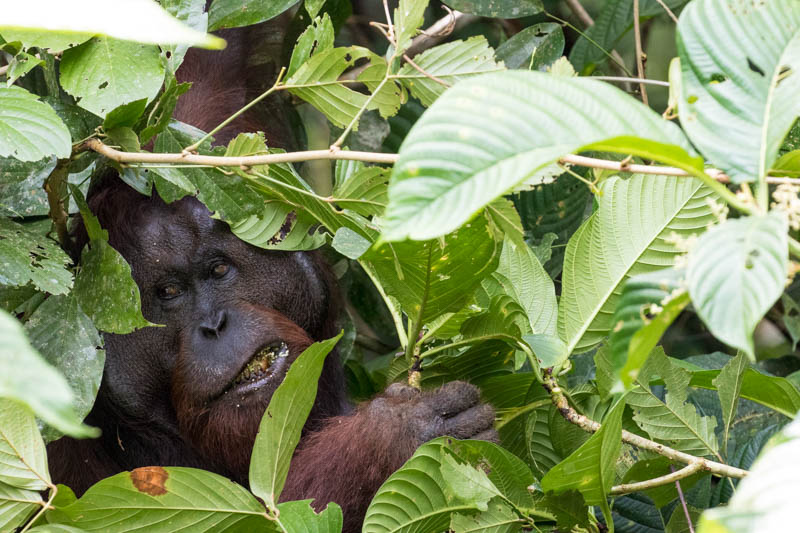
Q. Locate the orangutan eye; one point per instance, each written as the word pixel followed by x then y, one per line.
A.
pixel 168 292
pixel 220 270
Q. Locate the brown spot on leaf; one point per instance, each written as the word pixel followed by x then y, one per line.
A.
pixel 150 480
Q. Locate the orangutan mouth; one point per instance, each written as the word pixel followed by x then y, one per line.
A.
pixel 260 366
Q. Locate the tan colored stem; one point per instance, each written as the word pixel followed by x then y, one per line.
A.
pixel 637 32
pixel 686 471
pixel 571 415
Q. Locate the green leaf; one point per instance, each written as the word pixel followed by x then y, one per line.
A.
pixel 766 499
pixel 20 65
pixel 739 99
pixel 675 422
pixel 534 48
pixel 21 186
pixel 283 421
pixel 408 16
pixel 467 484
pixel 490 133
pixel 104 73
pixel 125 116
pixel 74 22
pixel 435 277
pixel 498 518
pixel 158 499
pixel 106 292
pixel 27 256
pixel 649 303
pixel 316 82
pixel 776 393
pixel 550 351
pixel 506 9
pixel 729 387
pixel 23 459
pixel 316 38
pixel 299 517
pixel 236 13
pixel 16 506
pixel 416 498
pixel 349 243
pixel 629 234
pixel 590 468
pixel 68 340
pixel 30 129
pixel 735 273
pixel 364 191
pixel 787 165
pixel 556 208
pixel 27 378
pixel 450 62
pixel 530 286
pixel 277 227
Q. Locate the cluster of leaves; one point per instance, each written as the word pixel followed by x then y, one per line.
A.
pixel 450 254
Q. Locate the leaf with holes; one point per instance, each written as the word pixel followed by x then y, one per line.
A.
pixel 29 257
pixel 490 133
pixel 739 89
pixel 103 73
pixel 735 273
pixel 629 234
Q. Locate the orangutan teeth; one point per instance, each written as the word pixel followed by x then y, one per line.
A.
pixel 259 365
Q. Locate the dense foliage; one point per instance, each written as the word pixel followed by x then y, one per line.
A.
pixel 634 325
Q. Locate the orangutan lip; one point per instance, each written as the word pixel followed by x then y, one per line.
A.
pixel 261 366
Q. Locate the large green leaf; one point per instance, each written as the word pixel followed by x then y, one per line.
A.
pixel 27 256
pixel 21 186
pixel 628 235
pixel 26 377
pixel 498 518
pixel 23 460
pixel 766 499
pixel 590 468
pixel 68 340
pixel 451 62
pixel 735 273
pixel 674 421
pixel 55 24
pixel 157 499
pixel 729 388
pixel 283 421
pixel 438 276
pixel 30 129
pixel 739 89
pixel 492 132
pixel 105 73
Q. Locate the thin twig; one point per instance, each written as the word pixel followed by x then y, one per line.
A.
pixel 426 74
pixel 45 506
pixel 624 79
pixel 391 35
pixel 627 488
pixel 587 424
pixel 576 7
pixel 637 34
pixel 246 161
pixel 671 15
pixel 683 501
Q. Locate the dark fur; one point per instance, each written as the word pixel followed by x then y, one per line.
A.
pixel 163 398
